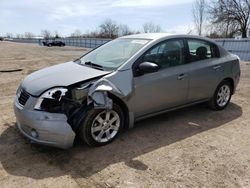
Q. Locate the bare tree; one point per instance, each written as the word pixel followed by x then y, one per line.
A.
pixel 226 29
pixel 19 36
pixel 46 34
pixel 29 35
pixel 57 35
pixel 76 33
pixel 232 14
pixel 150 27
pixel 92 34
pixel 109 29
pixel 124 30
pixel 9 35
pixel 199 15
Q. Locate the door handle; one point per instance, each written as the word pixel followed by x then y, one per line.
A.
pixel 181 76
pixel 217 67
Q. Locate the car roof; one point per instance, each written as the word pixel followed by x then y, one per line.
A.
pixel 151 36
pixel 155 36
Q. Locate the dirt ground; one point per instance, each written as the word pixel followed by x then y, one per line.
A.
pixel 192 147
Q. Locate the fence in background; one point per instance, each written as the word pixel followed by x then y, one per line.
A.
pixel 240 47
pixel 79 42
pixel 83 42
pixel 23 40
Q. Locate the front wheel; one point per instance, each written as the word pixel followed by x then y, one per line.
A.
pixel 222 96
pixel 101 127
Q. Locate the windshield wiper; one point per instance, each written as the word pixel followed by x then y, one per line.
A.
pixel 93 65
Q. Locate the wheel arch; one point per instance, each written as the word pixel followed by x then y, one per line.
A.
pixel 231 82
pixel 124 107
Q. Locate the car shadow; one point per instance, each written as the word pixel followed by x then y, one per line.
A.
pixel 20 158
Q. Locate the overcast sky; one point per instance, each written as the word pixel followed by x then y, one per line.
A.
pixel 65 16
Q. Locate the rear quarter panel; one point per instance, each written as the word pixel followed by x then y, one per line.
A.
pixel 230 68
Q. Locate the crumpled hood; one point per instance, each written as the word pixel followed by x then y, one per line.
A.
pixel 64 74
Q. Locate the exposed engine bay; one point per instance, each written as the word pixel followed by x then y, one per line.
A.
pixel 75 100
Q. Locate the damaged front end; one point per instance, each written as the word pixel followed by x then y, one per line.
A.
pixel 51 118
pixel 71 101
pixel 58 113
pixel 62 110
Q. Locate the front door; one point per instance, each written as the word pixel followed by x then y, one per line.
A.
pixel 166 88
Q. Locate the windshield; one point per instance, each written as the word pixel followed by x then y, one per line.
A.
pixel 113 54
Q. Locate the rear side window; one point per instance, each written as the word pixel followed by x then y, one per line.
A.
pixel 201 50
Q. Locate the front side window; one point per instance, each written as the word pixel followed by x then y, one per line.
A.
pixel 166 54
pixel 200 50
pixel 113 54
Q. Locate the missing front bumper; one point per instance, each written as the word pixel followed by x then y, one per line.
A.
pixel 44 128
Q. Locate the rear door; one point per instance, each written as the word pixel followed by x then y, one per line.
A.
pixel 204 69
pixel 166 88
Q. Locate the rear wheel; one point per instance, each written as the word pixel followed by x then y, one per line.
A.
pixel 222 96
pixel 101 127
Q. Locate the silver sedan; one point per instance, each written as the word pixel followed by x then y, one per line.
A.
pixel 126 80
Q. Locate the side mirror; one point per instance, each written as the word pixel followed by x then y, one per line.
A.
pixel 147 67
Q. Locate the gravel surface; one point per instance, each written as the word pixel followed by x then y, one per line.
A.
pixel 192 147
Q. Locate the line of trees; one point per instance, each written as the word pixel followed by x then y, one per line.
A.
pixel 110 29
pixel 218 18
pixel 46 34
pixel 222 18
pixel 107 29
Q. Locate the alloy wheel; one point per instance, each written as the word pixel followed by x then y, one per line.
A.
pixel 223 95
pixel 105 126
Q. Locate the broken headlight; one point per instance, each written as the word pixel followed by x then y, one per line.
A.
pixel 50 99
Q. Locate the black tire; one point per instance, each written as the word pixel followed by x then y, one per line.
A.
pixel 86 126
pixel 213 103
pixel 49 45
